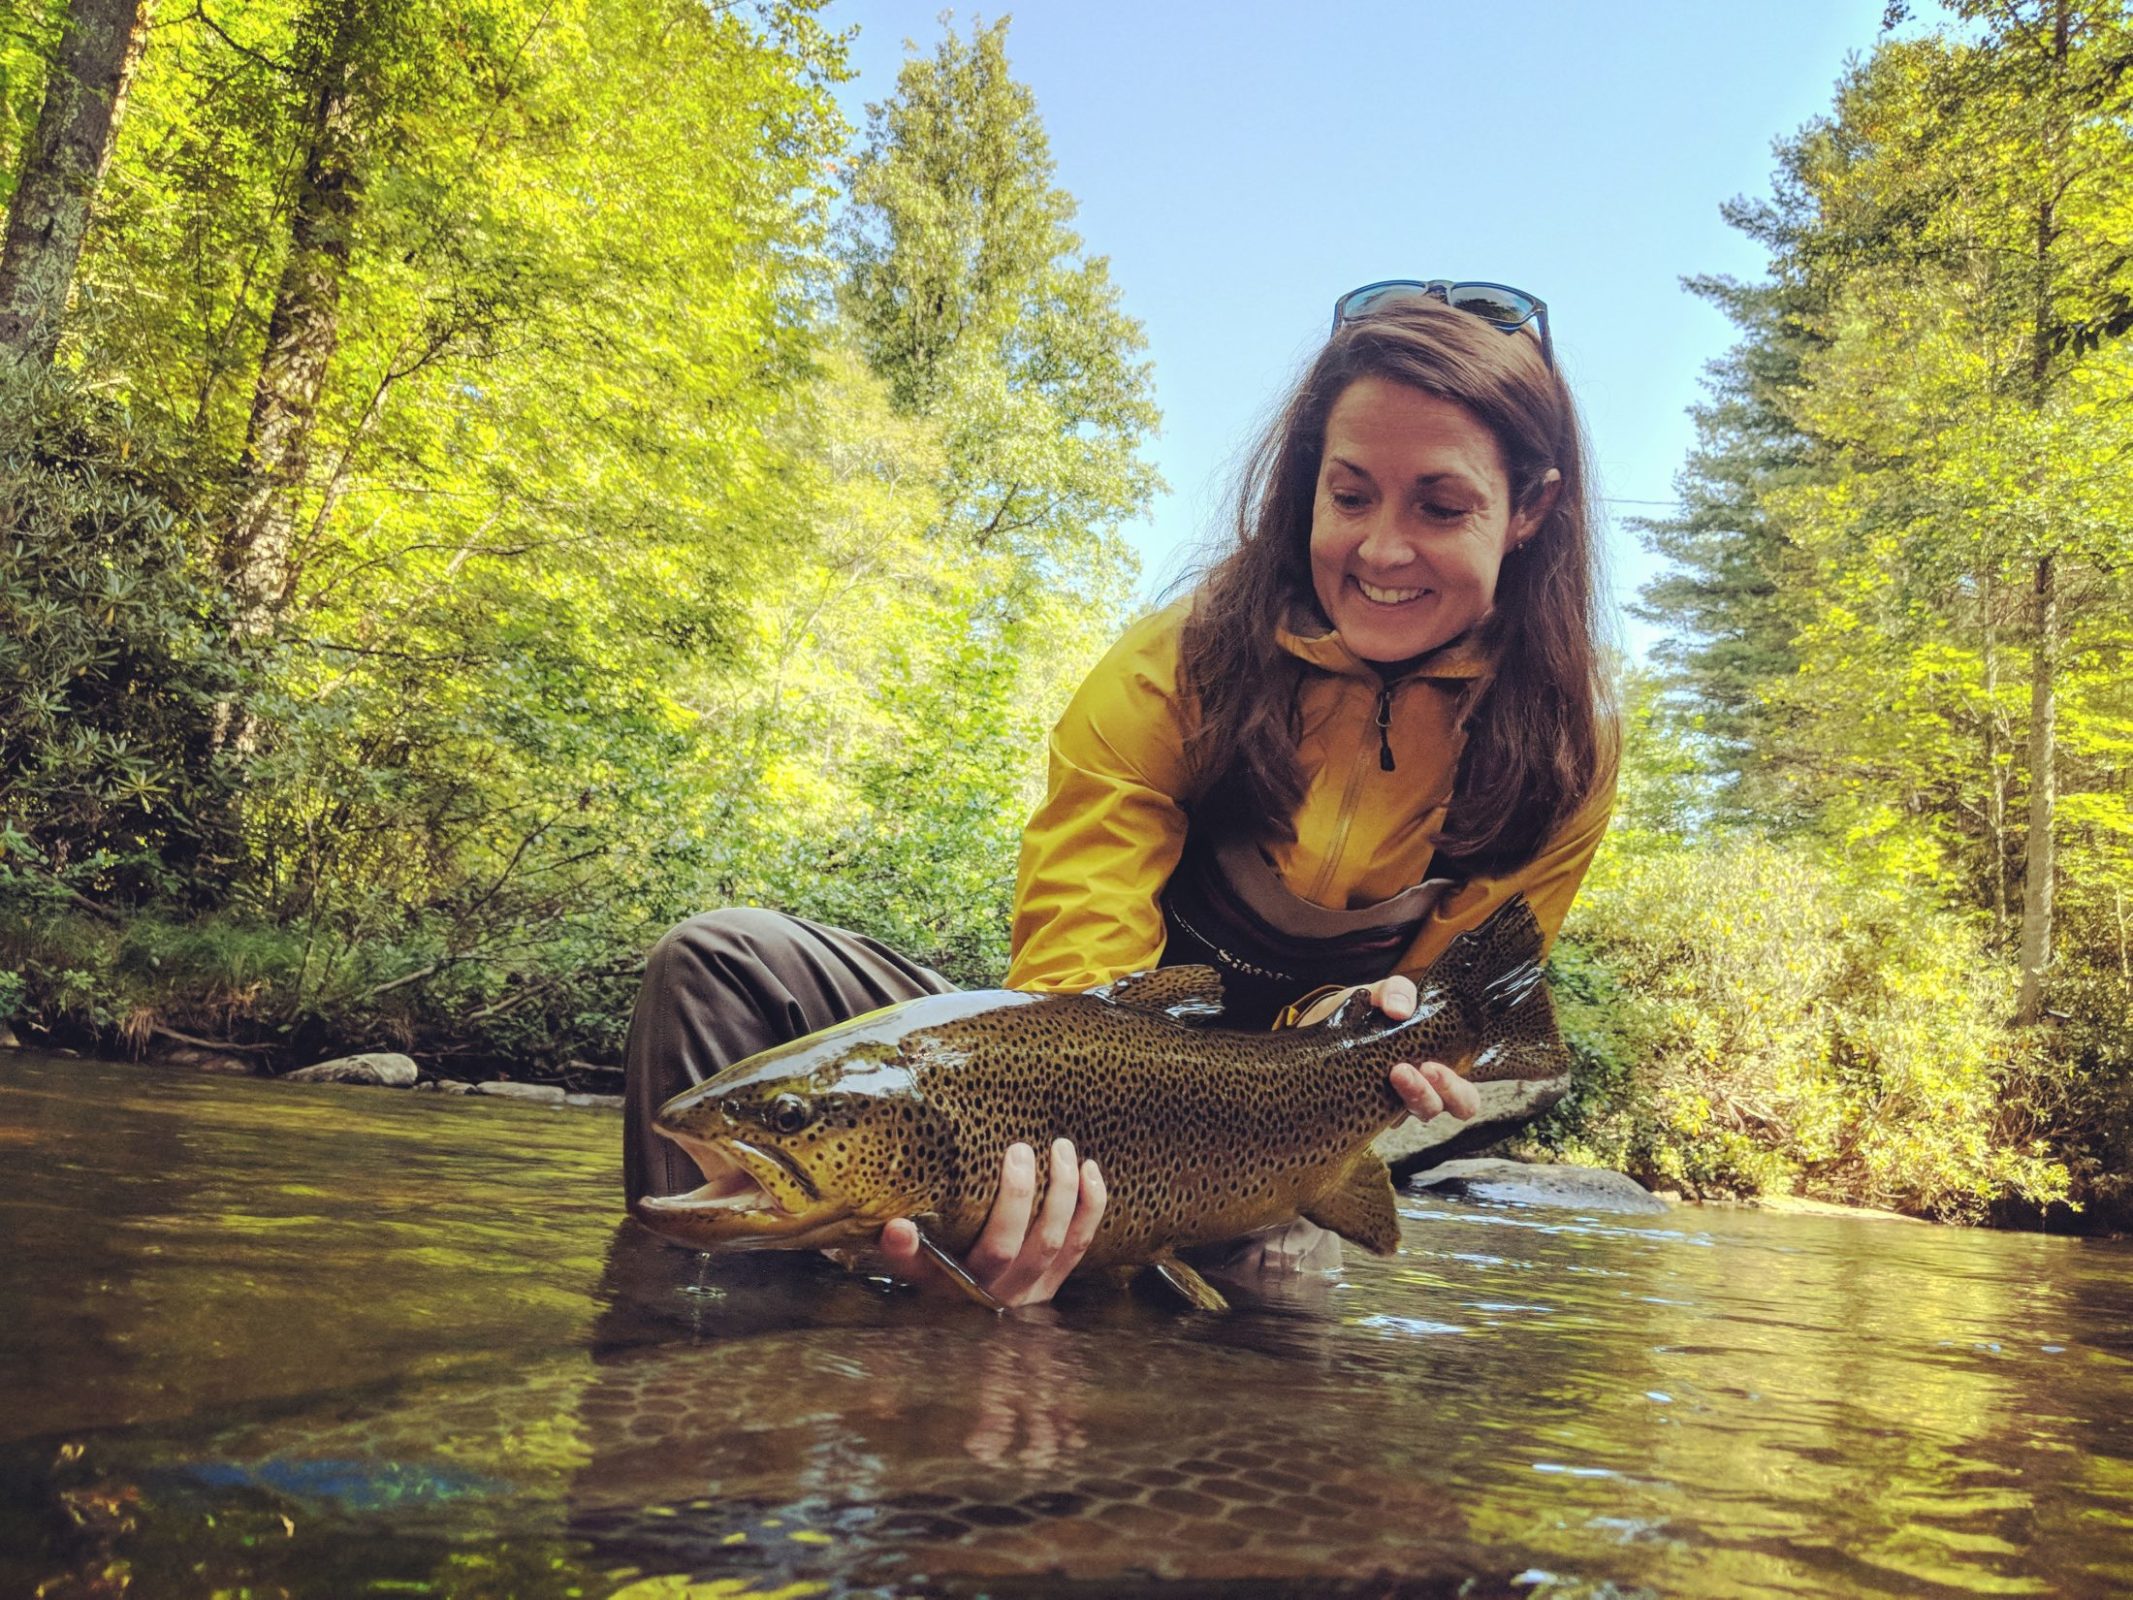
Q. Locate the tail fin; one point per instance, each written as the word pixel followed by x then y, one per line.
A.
pixel 1495 970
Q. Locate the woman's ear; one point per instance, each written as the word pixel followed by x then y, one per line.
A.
pixel 1526 523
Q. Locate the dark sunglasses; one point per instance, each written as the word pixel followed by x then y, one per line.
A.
pixel 1495 303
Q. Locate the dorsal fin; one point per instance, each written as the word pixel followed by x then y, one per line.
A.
pixel 1183 994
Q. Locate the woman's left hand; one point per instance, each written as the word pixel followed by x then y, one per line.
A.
pixel 1429 1088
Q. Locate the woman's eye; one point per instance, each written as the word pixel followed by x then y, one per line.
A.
pixel 1346 499
pixel 1444 513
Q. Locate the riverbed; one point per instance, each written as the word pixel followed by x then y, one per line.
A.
pixel 330 1341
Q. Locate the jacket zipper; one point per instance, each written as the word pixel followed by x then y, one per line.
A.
pixel 1344 819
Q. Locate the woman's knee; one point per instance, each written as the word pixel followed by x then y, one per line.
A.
pixel 713 937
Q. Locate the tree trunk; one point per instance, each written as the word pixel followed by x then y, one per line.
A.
pixel 62 164
pixel 1995 772
pixel 2043 793
pixel 302 331
pixel 2040 857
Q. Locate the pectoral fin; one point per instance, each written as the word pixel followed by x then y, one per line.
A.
pixel 958 1275
pixel 1203 1295
pixel 1360 1205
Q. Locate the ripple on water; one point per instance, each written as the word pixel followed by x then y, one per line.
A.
pixel 344 1341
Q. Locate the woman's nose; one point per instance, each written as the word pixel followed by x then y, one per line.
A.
pixel 1386 542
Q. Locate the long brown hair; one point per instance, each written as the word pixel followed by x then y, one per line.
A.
pixel 1540 729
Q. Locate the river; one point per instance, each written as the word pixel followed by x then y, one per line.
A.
pixel 275 1339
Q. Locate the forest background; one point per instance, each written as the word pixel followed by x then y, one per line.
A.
pixel 481 482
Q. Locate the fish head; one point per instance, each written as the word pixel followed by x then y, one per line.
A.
pixel 811 1145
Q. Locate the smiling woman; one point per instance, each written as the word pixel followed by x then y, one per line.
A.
pixel 1377 719
pixel 1412 522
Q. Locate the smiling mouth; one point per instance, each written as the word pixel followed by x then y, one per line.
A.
pixel 1386 597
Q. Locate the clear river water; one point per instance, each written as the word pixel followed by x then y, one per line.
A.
pixel 265 1339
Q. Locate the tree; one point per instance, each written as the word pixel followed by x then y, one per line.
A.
pixel 345 40
pixel 1949 243
pixel 62 164
pixel 971 297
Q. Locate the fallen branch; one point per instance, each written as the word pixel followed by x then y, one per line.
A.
pixel 158 1029
pixel 405 977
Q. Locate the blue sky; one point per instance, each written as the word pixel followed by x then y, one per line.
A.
pixel 1242 164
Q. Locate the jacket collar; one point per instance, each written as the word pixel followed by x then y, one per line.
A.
pixel 1461 661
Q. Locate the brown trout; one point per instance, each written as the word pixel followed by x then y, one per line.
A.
pixel 1202 1133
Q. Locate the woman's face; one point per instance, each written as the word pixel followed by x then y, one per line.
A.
pixel 1411 521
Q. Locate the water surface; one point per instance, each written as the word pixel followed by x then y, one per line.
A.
pixel 328 1341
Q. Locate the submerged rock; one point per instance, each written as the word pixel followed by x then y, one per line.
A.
pixel 547 1094
pixel 1530 1183
pixel 592 1100
pixel 203 1060
pixel 384 1067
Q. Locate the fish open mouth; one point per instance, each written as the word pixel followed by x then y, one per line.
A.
pixel 735 1206
pixel 728 1186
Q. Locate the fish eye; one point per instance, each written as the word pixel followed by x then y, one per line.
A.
pixel 789 1113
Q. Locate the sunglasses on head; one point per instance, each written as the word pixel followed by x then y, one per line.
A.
pixel 1498 304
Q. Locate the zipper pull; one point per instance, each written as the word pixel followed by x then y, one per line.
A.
pixel 1385 722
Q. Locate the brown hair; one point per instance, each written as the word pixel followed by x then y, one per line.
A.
pixel 1540 730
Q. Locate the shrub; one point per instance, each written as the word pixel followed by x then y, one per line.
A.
pixel 1748 1018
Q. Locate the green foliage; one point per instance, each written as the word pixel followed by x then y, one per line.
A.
pixel 113 662
pixel 1926 416
pixel 971 297
pixel 619 586
pixel 29 30
pixel 1754 1020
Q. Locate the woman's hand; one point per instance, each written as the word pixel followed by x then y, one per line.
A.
pixel 1020 1259
pixel 1429 1088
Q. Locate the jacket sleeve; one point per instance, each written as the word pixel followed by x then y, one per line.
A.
pixel 1549 882
pixel 1112 826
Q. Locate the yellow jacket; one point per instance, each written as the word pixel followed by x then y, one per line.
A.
pixel 1112 826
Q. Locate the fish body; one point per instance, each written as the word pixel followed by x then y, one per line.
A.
pixel 1202 1133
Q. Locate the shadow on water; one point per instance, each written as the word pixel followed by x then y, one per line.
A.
pixel 320 1341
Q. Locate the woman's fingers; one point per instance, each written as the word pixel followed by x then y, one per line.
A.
pixel 1081 1233
pixel 899 1244
pixel 1045 1236
pixel 1020 1259
pixel 1008 1226
pixel 1395 996
pixel 1432 1089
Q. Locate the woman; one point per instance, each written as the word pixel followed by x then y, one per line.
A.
pixel 1379 717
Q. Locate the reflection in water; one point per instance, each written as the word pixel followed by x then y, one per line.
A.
pixel 931 1446
pixel 331 1341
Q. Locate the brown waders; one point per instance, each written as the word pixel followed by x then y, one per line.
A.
pixel 721 987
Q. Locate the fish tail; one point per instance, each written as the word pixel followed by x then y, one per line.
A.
pixel 1493 975
pixel 1495 971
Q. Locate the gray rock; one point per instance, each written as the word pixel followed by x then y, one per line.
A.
pixel 454 1086
pixel 191 1055
pixel 592 1100
pixel 1507 1104
pixel 547 1094
pixel 386 1067
pixel 8 1041
pixel 1529 1183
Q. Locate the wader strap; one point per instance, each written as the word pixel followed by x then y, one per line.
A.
pixel 1227 907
